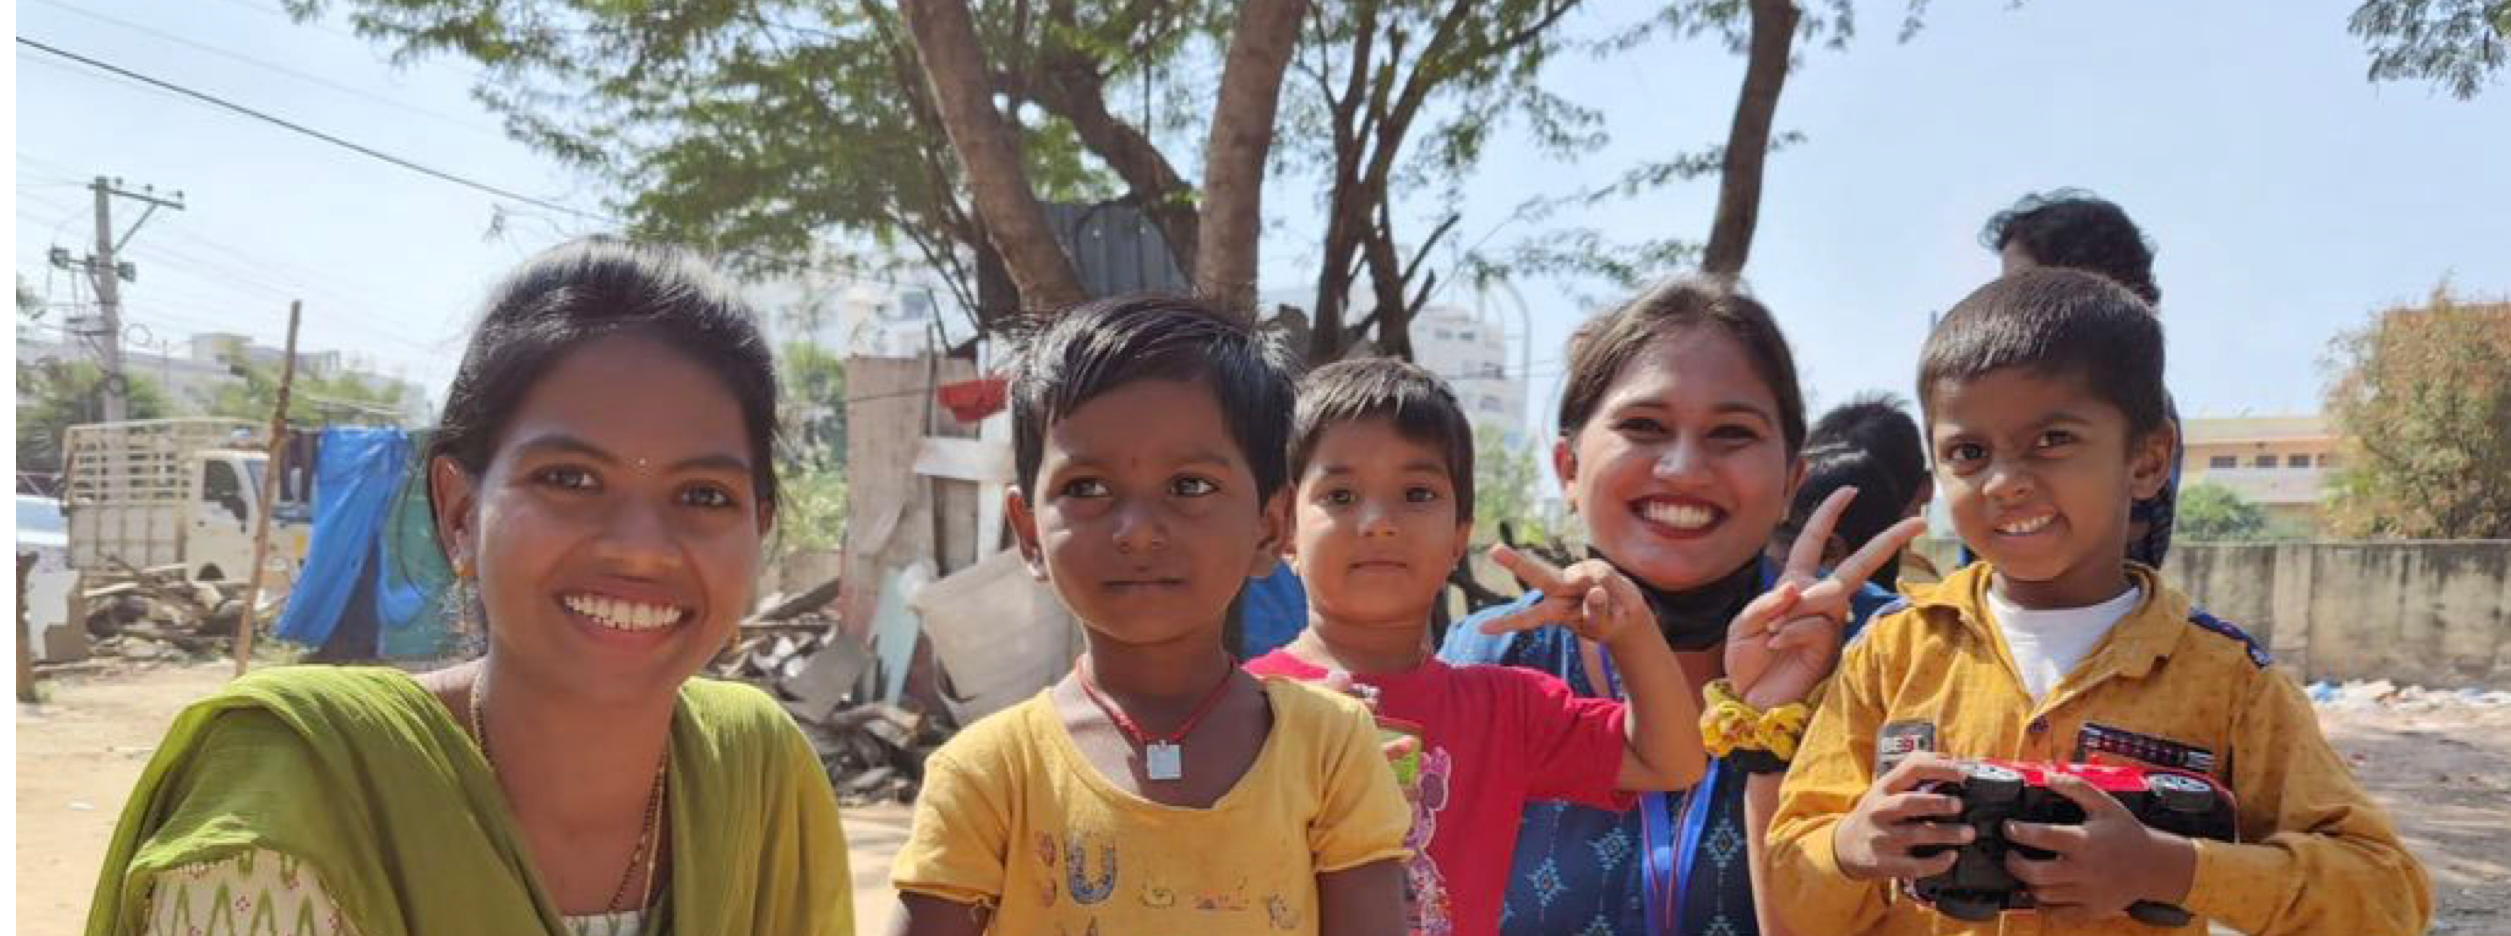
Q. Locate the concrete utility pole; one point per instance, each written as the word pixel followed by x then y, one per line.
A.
pixel 107 274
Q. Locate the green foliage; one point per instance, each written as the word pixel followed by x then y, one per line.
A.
pixel 52 397
pixel 814 394
pixel 762 132
pixel 2424 398
pixel 2457 45
pixel 1582 256
pixel 2213 513
pixel 757 131
pixel 1506 483
pixel 812 465
pixel 789 135
pixel 812 517
pixel 312 399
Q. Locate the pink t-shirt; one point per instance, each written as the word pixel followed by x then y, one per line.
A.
pixel 1493 738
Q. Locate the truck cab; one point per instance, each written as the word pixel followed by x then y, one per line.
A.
pixel 155 493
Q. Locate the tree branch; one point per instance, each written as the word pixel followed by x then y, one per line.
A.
pixel 1423 254
pixel 954 64
pixel 1748 140
pixel 1072 89
pixel 1071 85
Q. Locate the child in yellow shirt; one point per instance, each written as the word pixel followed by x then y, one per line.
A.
pixel 1158 788
pixel 2044 411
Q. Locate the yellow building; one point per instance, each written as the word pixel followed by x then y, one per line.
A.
pixel 2284 464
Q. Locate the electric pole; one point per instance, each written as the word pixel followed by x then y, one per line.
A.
pixel 107 274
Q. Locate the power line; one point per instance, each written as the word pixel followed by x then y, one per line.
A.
pixel 219 277
pixel 373 153
pixel 290 280
pixel 214 276
pixel 283 123
pixel 272 66
pixel 349 293
pixel 24 156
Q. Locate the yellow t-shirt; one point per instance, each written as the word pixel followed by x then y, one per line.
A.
pixel 1012 817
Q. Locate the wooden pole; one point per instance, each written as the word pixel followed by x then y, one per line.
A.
pixel 25 652
pixel 270 494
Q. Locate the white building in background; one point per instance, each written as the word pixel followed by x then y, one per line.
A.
pixel 2284 464
pixel 1474 355
pixel 883 320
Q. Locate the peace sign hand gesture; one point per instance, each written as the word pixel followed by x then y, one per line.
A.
pixel 1788 639
pixel 1591 598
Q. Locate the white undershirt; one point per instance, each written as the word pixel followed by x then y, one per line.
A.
pixel 2049 644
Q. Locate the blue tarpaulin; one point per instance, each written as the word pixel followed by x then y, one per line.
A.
pixel 359 482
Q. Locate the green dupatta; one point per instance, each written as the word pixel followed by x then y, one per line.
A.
pixel 363 775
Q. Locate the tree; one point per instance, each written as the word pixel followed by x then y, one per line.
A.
pixel 1772 33
pixel 761 130
pixel 756 130
pixel 2455 44
pixel 1015 222
pixel 1506 482
pixel 1767 34
pixel 812 464
pixel 2424 400
pixel 812 515
pixel 814 395
pixel 312 399
pixel 53 396
pixel 1373 74
pixel 2213 513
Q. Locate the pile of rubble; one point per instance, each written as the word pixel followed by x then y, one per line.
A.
pixel 2381 693
pixel 152 614
pixel 832 684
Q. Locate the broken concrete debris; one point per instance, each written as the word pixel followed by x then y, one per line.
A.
pixel 158 613
pixel 831 683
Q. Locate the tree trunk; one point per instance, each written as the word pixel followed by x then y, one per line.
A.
pixel 954 64
pixel 1069 85
pixel 1748 141
pixel 1386 285
pixel 1233 159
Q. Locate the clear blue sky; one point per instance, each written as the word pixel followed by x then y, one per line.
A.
pixel 2289 197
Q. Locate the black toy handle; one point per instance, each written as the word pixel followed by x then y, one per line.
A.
pixel 2153 913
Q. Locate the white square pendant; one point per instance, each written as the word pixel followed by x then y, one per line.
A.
pixel 1163 761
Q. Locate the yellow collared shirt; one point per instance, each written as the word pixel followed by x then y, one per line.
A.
pixel 2316 854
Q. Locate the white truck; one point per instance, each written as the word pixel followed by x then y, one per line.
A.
pixel 160 492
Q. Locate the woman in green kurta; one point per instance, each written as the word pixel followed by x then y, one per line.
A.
pixel 601 481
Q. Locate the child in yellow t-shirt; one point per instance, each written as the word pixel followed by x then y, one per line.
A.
pixel 1157 788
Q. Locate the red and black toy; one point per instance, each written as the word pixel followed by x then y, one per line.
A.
pixel 1993 791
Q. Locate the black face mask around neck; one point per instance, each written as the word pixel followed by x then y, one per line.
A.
pixel 1697 619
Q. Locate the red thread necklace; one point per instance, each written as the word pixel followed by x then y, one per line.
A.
pixel 1163 758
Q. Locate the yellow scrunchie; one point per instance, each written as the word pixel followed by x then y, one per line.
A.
pixel 1729 724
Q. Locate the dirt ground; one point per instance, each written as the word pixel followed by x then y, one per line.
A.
pixel 2445 777
pixel 2443 773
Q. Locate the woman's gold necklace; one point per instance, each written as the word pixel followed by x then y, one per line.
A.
pixel 645 841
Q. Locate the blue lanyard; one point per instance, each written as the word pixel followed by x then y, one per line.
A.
pixel 1665 852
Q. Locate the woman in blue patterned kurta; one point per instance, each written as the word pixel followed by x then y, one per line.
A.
pixel 1680 430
